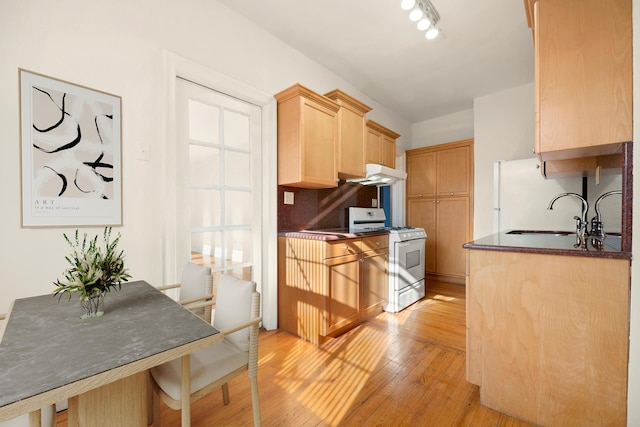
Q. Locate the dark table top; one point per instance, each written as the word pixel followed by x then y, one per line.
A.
pixel 549 244
pixel 46 345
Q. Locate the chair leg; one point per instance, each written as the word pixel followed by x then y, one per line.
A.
pixel 225 393
pixel 255 400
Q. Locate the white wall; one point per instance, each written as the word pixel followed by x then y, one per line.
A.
pixel 116 46
pixel 449 128
pixel 503 130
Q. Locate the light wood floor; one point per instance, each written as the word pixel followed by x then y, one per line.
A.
pixel 404 369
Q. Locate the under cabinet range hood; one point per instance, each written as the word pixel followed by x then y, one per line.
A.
pixel 379 176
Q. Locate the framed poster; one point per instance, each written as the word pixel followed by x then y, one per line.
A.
pixel 71 154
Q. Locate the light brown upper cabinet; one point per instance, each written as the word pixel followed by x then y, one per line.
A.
pixel 439 172
pixel 583 76
pixel 351 135
pixel 381 145
pixel 307 139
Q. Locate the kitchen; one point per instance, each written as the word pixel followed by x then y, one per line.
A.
pixel 130 68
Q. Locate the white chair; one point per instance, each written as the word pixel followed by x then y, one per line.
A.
pixel 195 287
pixel 237 316
pixel 47 414
pixel 48 419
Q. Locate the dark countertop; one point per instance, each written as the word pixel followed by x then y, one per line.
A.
pixel 548 244
pixel 330 234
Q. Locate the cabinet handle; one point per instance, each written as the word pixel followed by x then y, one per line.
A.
pixel 420 195
pixel 434 202
pixel 452 193
pixel 346 247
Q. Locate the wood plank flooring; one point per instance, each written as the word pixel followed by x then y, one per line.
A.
pixel 403 369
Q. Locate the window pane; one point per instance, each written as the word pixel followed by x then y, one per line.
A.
pixel 204 165
pixel 237 169
pixel 206 248
pixel 203 122
pixel 236 130
pixel 205 207
pixel 238 246
pixel 238 208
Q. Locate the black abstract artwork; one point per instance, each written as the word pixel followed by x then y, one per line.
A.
pixel 71 151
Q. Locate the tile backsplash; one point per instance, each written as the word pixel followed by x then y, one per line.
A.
pixel 321 209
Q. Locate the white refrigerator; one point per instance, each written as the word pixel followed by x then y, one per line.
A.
pixel 522 195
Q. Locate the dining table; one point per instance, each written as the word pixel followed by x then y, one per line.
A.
pixel 48 353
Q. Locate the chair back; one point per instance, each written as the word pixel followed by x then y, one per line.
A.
pixel 233 307
pixel 196 281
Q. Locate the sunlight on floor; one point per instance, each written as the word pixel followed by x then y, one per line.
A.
pixel 329 384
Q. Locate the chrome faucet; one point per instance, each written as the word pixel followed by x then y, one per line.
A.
pixel 597 226
pixel 581 221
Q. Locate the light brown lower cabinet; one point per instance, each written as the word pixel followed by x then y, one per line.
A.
pixel 548 336
pixel 447 223
pixel 327 287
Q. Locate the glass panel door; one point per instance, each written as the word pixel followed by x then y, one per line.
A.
pixel 219 201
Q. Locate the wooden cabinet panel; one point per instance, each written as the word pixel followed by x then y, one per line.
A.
pixel 307 139
pixel 381 145
pixel 375 280
pixel 552 333
pixel 583 77
pixel 375 242
pixel 421 179
pixel 452 172
pixel 439 199
pixel 343 247
pixel 373 154
pixel 388 151
pixel 351 135
pixel 343 305
pixel 326 288
pixel 452 232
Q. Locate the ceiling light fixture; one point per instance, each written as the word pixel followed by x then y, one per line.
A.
pixel 425 14
pixel 407 4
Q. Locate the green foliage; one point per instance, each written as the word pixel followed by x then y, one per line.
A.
pixel 92 268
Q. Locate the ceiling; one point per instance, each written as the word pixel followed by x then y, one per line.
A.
pixel 484 47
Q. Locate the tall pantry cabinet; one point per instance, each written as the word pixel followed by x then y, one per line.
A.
pixel 440 200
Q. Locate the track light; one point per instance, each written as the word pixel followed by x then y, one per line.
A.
pixel 407 4
pixel 425 14
pixel 432 33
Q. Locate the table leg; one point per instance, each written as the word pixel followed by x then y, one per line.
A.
pixel 186 391
pixel 35 418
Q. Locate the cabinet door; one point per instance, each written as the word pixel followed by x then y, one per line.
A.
pixel 421 175
pixel 375 280
pixel 452 232
pixel 453 172
pixel 422 213
pixel 373 153
pixel 343 300
pixel 388 151
pixel 319 137
pixel 583 59
pixel 351 158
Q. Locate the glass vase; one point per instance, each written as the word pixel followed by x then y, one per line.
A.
pixel 93 304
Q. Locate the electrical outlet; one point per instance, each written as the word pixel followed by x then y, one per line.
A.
pixel 374 203
pixel 288 198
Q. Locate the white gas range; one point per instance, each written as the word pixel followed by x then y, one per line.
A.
pixel 406 256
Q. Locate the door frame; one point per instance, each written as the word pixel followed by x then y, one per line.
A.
pixel 174 66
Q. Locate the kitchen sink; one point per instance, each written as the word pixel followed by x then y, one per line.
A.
pixel 542 232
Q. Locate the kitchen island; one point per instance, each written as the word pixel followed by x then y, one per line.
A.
pixel 548 327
